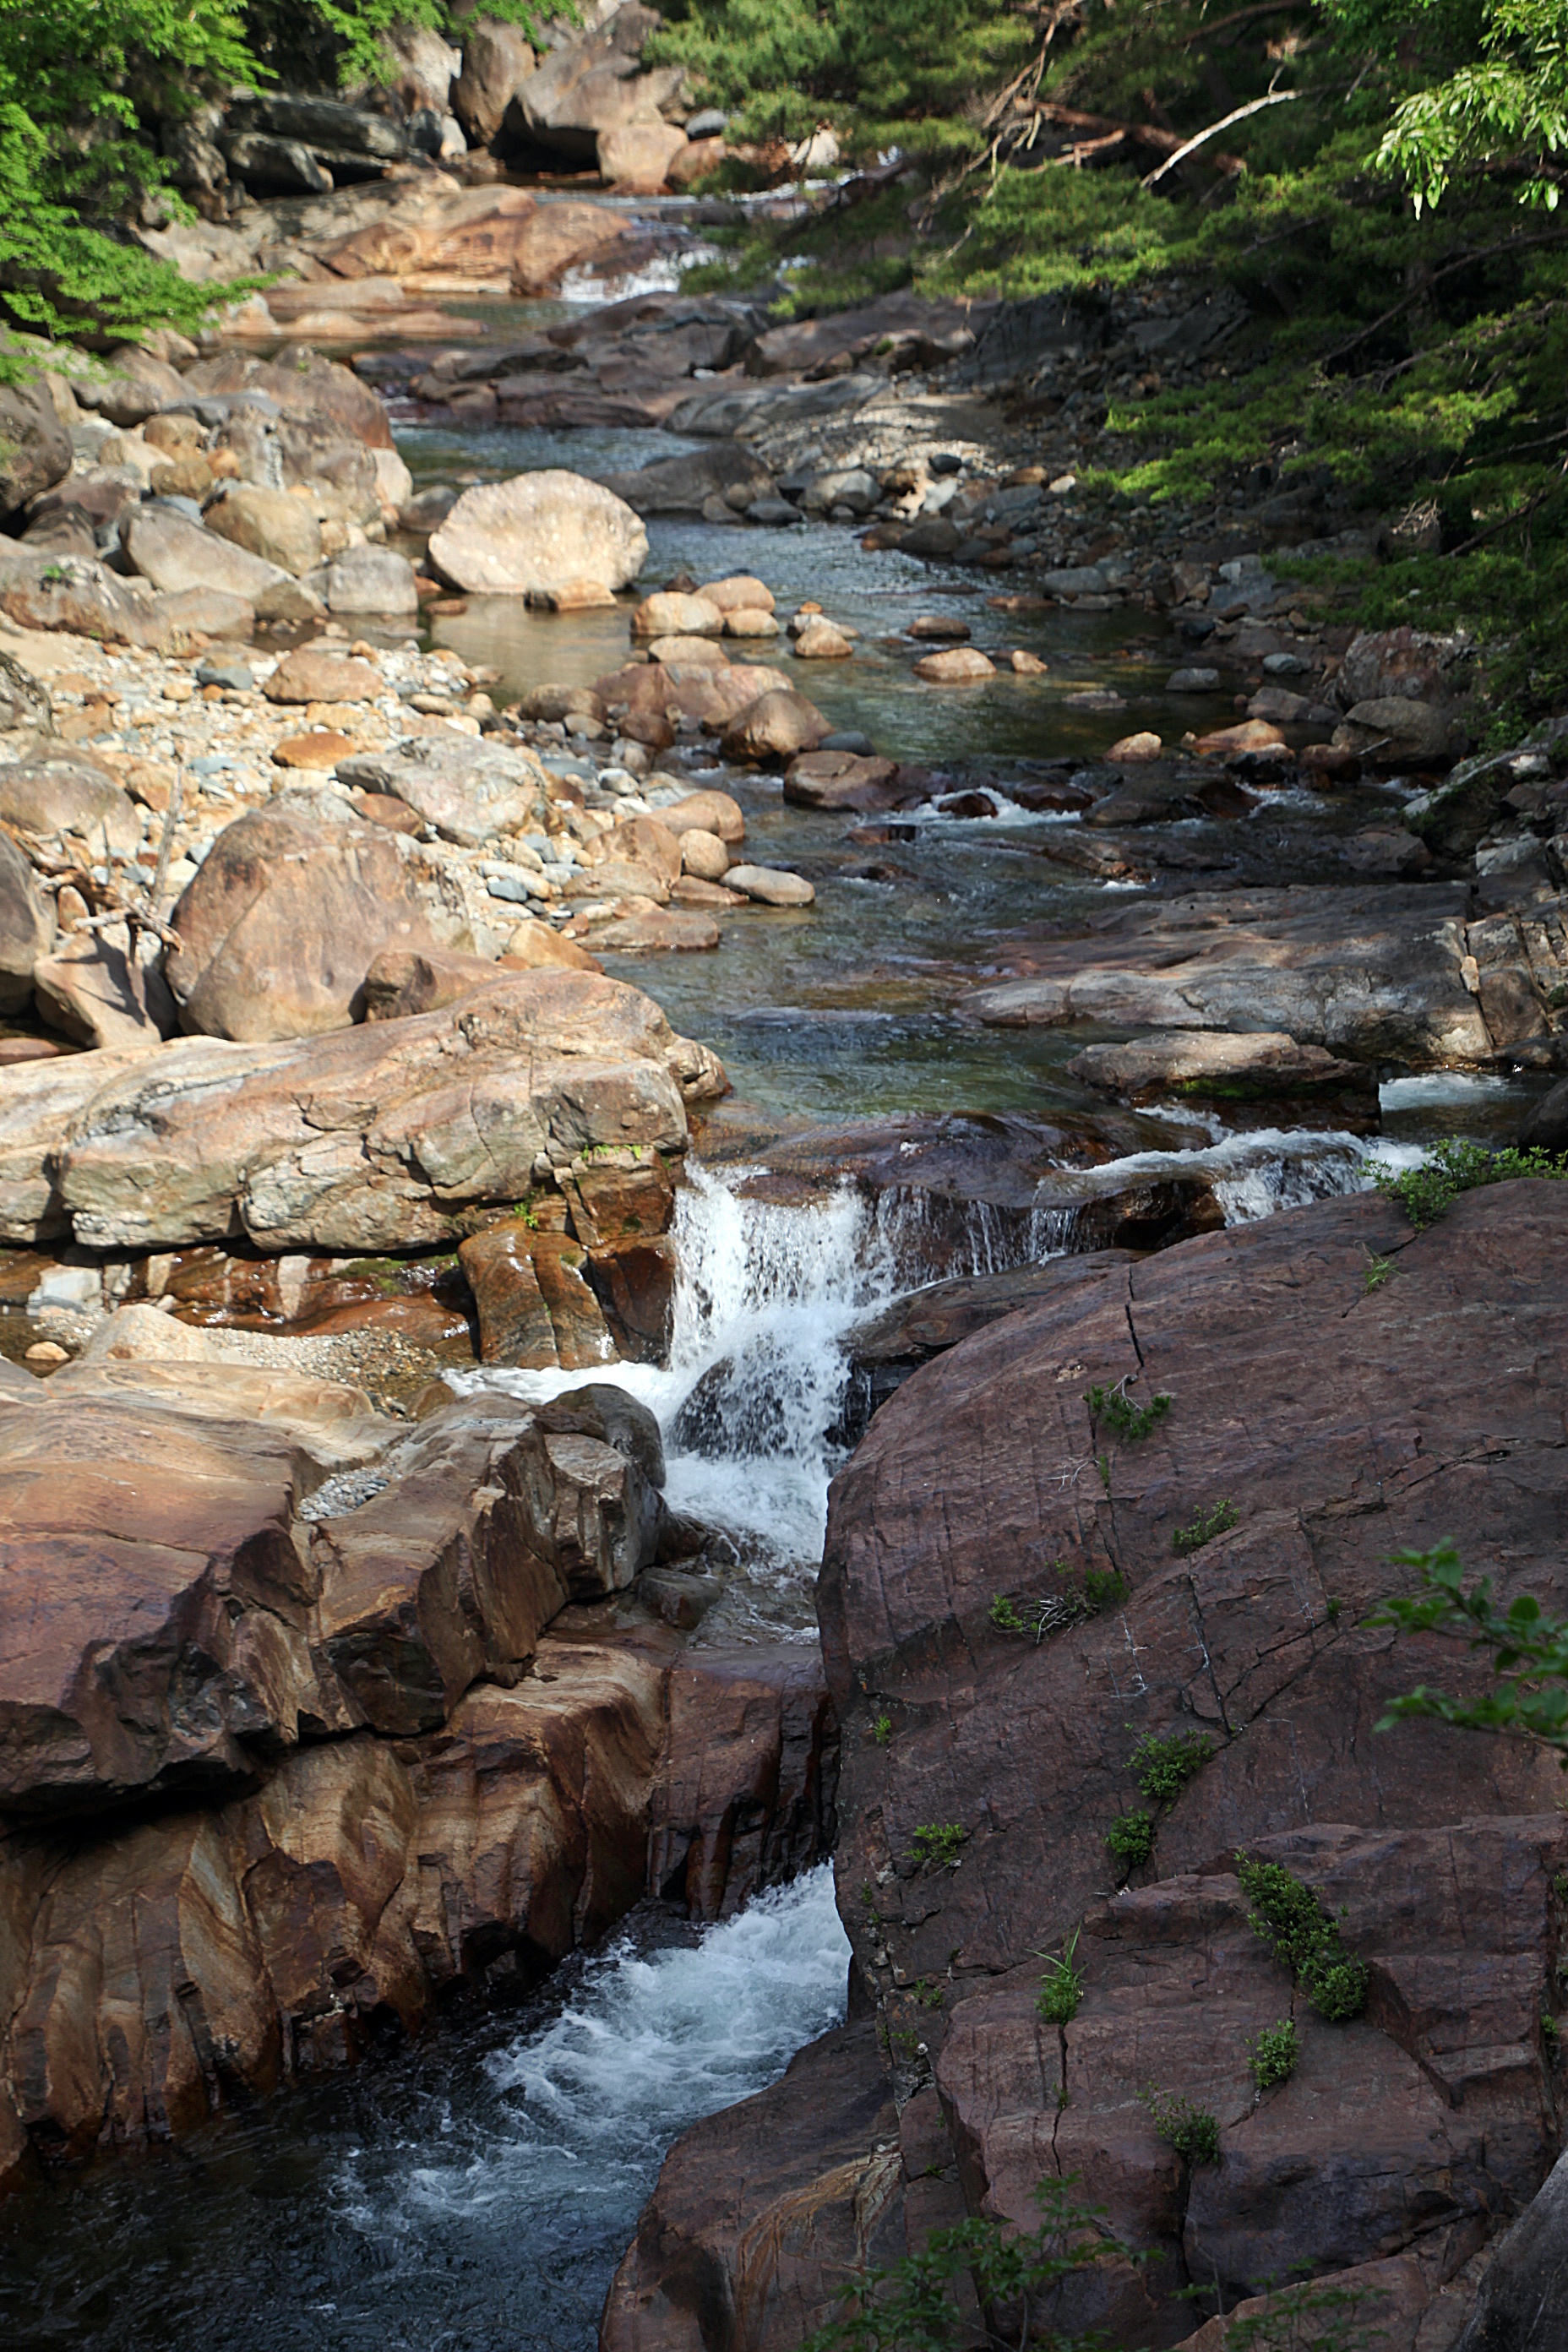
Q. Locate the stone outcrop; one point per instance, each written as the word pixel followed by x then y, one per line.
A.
pixel 395 1755
pixel 1338 1423
pixel 35 448
pixel 373 1139
pixel 469 790
pixel 1401 973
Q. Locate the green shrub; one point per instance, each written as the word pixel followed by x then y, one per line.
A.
pixel 1130 1838
pixel 925 2301
pixel 938 1843
pixel 1453 1166
pixel 1162 1767
pixel 1192 2131
pixel 1101 1588
pixel 1116 1409
pixel 1272 2058
pixel 1290 1918
pixel 1205 1527
pixel 1528 1650
pixel 1061 1991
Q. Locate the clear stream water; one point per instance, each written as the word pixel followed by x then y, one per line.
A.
pixel 473 2194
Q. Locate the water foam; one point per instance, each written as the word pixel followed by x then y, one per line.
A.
pixel 644 2047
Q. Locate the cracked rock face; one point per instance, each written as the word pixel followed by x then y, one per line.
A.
pixel 308 1716
pixel 1342 1424
pixel 369 1139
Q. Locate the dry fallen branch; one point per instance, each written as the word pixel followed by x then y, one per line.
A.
pixel 1238 114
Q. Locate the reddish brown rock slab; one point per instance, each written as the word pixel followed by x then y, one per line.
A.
pixel 1411 2119
pixel 1249 1074
pixel 493 1518
pixel 835 779
pixel 1339 1436
pixel 762 2211
pixel 155 1624
pixel 746 1777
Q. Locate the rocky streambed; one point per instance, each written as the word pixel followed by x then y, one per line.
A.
pixel 548 1000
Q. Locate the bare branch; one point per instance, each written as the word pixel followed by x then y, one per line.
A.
pixel 1238 114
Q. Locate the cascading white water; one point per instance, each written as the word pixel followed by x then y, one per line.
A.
pixel 765 1295
pixel 577 2114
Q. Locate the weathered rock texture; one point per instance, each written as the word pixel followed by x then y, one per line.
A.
pixel 372 1138
pixel 1342 1424
pixel 1397 972
pixel 410 1724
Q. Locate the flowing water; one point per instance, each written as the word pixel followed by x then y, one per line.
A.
pixel 474 2193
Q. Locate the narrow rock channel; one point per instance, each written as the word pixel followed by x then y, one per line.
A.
pixel 560 1221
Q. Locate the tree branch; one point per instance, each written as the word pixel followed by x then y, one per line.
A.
pixel 1483 253
pixel 1238 114
pixel 1240 17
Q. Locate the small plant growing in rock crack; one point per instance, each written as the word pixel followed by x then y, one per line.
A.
pixel 1272 2058
pixel 928 1992
pixel 1290 1918
pixel 1205 1527
pixel 1102 1463
pixel 1116 1409
pixel 1101 1588
pixel 925 2302
pixel 1130 1838
pixel 1061 1991
pixel 938 1843
pixel 882 1730
pixel 1378 1270
pixel 1162 1767
pixel 1551 2034
pixel 1455 1166
pixel 1192 2131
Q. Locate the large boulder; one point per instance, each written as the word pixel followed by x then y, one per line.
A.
pixel 638 155
pixel 495 58
pixel 65 793
pixel 1295 1394
pixel 311 453
pixel 774 727
pixel 304 385
pixel 273 524
pixel 469 788
pixel 291 906
pixel 539 532
pixel 373 580
pixel 27 927
pixel 180 556
pixel 35 448
pixel 593 85
pixel 372 1140
pixel 135 386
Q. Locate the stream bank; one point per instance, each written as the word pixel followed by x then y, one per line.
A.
pixel 623 1701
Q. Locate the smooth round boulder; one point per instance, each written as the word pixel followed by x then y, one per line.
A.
pixel 66 793
pixel 769 886
pixel 538 533
pixel 706 812
pixel 308 675
pixel 955 665
pixel 668 613
pixel 1144 745
pixel 741 593
pixel 749 621
pixel 820 641
pixel 704 855
pixel 375 581
pixel 775 727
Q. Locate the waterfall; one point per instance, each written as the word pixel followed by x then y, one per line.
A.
pixel 766 1294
